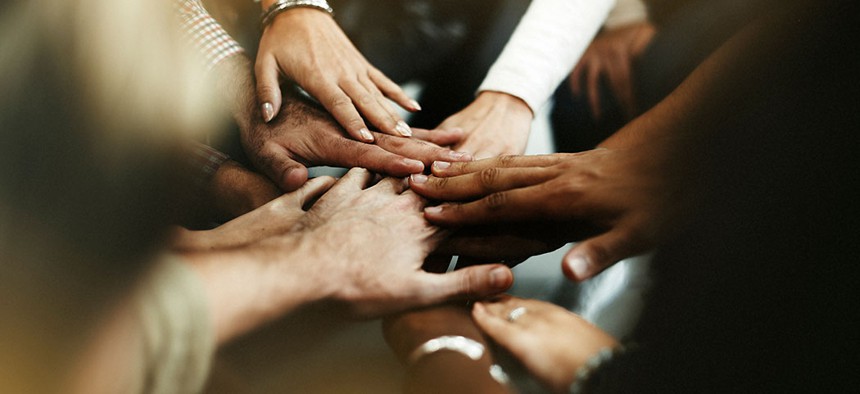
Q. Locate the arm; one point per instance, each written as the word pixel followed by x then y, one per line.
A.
pixel 548 41
pixel 442 371
pixel 631 191
pixel 332 253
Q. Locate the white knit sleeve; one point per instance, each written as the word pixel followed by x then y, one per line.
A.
pixel 547 43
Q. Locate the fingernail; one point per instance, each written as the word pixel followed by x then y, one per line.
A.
pixel 418 165
pixel 403 129
pixel 414 105
pixel 460 156
pixel 433 210
pixel 418 178
pixel 365 133
pixel 499 278
pixel 579 266
pixel 268 112
pixel 441 165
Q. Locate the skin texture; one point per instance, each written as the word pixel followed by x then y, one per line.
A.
pixel 307 46
pixel 305 135
pixel 607 198
pixel 361 246
pixel 235 190
pixel 549 341
pixel 494 124
pixel 611 57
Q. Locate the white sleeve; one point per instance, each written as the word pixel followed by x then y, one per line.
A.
pixel 547 43
pixel 626 12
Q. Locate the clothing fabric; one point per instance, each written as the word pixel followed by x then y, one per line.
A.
pixel 204 33
pixel 177 338
pixel 626 12
pixel 547 43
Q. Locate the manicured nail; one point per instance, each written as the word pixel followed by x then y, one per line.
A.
pixel 365 133
pixel 579 266
pixel 499 278
pixel 441 165
pixel 414 105
pixel 433 210
pixel 418 178
pixel 268 112
pixel 460 156
pixel 403 129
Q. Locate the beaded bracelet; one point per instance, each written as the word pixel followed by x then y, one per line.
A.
pixel 282 5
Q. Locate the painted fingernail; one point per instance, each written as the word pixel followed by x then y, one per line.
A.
pixel 403 129
pixel 579 266
pixel 433 210
pixel 268 112
pixel 499 278
pixel 414 105
pixel 441 165
pixel 365 133
pixel 460 156
pixel 418 178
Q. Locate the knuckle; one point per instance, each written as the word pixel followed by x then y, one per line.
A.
pixel 506 160
pixel 488 177
pixel 496 201
pixel 339 101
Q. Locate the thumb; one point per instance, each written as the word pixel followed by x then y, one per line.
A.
pixel 467 283
pixel 588 258
pixel 268 88
pixel 287 173
pixel 311 190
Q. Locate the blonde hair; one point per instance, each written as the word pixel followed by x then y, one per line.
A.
pixel 96 96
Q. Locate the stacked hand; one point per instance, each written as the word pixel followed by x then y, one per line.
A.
pixel 620 201
pixel 307 46
pixel 611 55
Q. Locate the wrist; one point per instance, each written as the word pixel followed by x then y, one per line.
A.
pixel 509 103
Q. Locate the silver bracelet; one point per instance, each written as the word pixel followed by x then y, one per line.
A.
pixel 460 344
pixel 280 6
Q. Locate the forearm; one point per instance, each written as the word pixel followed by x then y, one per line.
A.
pixel 249 287
pixel 547 43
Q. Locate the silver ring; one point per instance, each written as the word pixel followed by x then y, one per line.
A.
pixel 516 313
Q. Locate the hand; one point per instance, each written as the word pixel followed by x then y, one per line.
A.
pixel 549 341
pixel 622 201
pixel 611 55
pixel 370 244
pixel 305 135
pixel 235 190
pixel 507 244
pixel 495 124
pixel 274 218
pixel 307 46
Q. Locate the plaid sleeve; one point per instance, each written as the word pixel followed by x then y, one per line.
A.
pixel 205 33
pixel 203 162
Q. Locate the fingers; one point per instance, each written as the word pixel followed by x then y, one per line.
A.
pixel 341 107
pixel 441 137
pixel 497 327
pixel 280 167
pixel 370 102
pixel 465 284
pixel 354 179
pixel 391 185
pixel 619 75
pixel 393 91
pixel 419 150
pixel 312 190
pixel 373 157
pixel 477 184
pixel 594 74
pixel 510 205
pixel 590 257
pixel 268 88
pixel 448 169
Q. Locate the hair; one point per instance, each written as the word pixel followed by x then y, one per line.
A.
pixel 95 99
